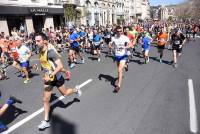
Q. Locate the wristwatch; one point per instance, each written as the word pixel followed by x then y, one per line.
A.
pixel 50 76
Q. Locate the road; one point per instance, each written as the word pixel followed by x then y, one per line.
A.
pixel 154 97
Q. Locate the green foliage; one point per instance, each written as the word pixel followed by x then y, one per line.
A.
pixel 170 18
pixel 70 12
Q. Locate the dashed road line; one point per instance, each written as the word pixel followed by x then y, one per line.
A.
pixel 193 111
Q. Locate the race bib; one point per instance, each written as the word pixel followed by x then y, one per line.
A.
pixel 96 43
pixel 47 73
pixel 108 36
pixel 177 42
pixel 162 40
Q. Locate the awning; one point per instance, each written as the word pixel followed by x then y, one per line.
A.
pixel 19 11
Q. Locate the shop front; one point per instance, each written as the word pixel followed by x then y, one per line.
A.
pixel 30 19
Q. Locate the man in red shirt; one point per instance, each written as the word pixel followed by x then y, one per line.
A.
pixel 14 54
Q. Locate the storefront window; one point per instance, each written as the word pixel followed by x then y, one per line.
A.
pixel 16 23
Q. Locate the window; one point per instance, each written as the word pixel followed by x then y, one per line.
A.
pixel 35 0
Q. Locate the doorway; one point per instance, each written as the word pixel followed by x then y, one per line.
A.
pixel 38 23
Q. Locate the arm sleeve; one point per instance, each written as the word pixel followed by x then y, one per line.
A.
pixel 52 55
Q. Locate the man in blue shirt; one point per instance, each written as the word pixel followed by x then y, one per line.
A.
pixel 97 40
pixel 146 41
pixel 74 38
pixel 82 35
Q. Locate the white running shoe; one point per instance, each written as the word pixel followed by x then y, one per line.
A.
pixel 82 61
pixel 78 91
pixel 44 124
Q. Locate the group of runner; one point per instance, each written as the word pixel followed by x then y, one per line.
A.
pixel 121 42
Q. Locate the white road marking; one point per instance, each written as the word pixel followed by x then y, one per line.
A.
pixel 198 36
pixel 193 112
pixel 20 123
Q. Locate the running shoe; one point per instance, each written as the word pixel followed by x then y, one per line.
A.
pixel 36 67
pixel 175 65
pixel 44 124
pixel 3 127
pixel 78 91
pixel 82 61
pixel 148 60
pixel 27 81
pixel 21 75
pixel 72 65
pixel 15 100
pixel 126 68
pixel 116 90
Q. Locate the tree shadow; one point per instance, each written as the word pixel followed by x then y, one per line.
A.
pixel 60 126
pixel 60 104
pixel 109 78
pixel 11 114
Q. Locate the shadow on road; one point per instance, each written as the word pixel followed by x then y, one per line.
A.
pixel 163 61
pixel 11 114
pixel 93 58
pixel 60 126
pixel 60 104
pixel 109 78
pixel 136 61
pixel 31 75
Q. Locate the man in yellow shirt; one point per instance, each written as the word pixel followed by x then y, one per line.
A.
pixel 52 68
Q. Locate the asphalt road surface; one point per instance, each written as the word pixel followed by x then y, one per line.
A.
pixel 154 98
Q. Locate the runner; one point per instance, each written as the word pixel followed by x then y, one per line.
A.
pixel 75 48
pixel 24 56
pixel 146 41
pixel 195 29
pixel 161 41
pixel 178 39
pixel 97 40
pixel 120 43
pixel 52 67
pixel 14 54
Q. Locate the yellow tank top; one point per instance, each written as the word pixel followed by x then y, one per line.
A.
pixel 47 65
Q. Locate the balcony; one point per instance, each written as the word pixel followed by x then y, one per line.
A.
pixel 74 2
pixel 138 11
pixel 119 12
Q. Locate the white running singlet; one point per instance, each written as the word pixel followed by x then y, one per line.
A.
pixel 120 44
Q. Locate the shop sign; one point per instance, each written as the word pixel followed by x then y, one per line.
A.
pixel 39 11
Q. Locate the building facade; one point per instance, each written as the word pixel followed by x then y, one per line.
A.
pixel 34 15
pixel 163 13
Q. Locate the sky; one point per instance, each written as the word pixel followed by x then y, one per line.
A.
pixel 164 2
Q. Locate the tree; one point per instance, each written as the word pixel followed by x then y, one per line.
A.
pixel 188 10
pixel 70 12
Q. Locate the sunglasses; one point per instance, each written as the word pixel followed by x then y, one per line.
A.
pixel 119 31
